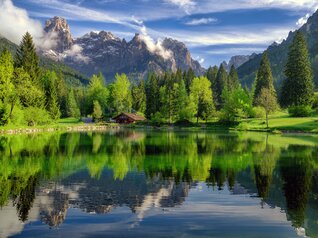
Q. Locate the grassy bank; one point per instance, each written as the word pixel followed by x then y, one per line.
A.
pixel 278 123
pixel 281 123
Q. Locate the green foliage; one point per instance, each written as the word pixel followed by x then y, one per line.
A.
pixel 233 81
pixel 29 94
pixel 298 87
pixel 267 99
pixel 157 119
pixel 97 112
pixel 258 112
pixel 27 58
pixel 36 116
pixel 138 94
pixel 52 100
pixel 152 96
pixel 219 86
pixel 300 111
pixel 6 86
pixel 237 105
pixel 121 95
pixel 202 98
pixel 96 91
pixel 72 109
pixel 264 78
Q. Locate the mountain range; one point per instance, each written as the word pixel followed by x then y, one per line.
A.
pixel 104 52
pixel 278 54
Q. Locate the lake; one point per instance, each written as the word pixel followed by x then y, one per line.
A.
pixel 138 183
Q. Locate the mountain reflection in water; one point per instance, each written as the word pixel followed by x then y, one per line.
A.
pixel 128 183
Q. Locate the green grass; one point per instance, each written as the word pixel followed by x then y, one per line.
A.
pixel 282 122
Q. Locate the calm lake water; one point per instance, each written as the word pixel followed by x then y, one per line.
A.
pixel 158 184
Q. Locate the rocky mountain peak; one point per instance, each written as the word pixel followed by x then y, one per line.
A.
pixel 60 29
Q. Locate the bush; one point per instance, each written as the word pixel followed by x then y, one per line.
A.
pixel 300 111
pixel 36 116
pixel 258 112
pixel 315 104
pixel 17 117
pixel 157 119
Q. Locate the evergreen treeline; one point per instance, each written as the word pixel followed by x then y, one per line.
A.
pixel 30 95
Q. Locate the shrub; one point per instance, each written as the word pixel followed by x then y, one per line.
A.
pixel 157 119
pixel 258 112
pixel 17 117
pixel 36 116
pixel 300 111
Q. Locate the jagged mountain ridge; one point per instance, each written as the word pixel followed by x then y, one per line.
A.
pixel 103 52
pixel 237 61
pixel 278 54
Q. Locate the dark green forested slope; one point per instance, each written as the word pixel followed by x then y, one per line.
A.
pixel 70 76
pixel 278 53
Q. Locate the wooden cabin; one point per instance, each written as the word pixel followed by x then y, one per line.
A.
pixel 128 118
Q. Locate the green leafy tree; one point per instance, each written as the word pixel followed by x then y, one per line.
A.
pixel 237 105
pixel 121 95
pixel 219 86
pixel 264 78
pixel 298 87
pixel 96 91
pixel 139 97
pixel 201 96
pixel 6 86
pixel 233 81
pixel 27 58
pixel 72 109
pixel 97 112
pixel 267 99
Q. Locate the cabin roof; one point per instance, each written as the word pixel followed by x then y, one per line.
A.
pixel 131 115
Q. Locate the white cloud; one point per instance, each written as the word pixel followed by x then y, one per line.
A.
pixel 186 5
pixel 201 21
pixel 199 59
pixel 15 22
pixel 76 53
pixel 154 47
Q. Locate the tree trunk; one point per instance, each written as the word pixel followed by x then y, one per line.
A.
pixel 267 120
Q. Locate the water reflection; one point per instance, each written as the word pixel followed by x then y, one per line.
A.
pixel 43 176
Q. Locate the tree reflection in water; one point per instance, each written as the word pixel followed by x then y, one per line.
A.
pixel 142 169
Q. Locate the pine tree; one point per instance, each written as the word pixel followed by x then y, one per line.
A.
pixel 298 87
pixel 233 82
pixel 27 58
pixel 72 109
pixel 219 86
pixel 211 74
pixel 152 95
pixel 264 78
pixel 188 77
pixel 52 105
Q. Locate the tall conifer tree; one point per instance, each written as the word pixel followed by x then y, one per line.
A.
pixel 27 58
pixel 264 78
pixel 298 87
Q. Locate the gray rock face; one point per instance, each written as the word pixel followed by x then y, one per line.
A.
pixel 103 52
pixel 62 33
pixel 237 61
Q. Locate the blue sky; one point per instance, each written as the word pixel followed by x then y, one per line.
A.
pixel 213 30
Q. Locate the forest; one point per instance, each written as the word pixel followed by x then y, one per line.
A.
pixel 31 95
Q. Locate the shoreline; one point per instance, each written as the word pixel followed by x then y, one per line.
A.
pixel 100 128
